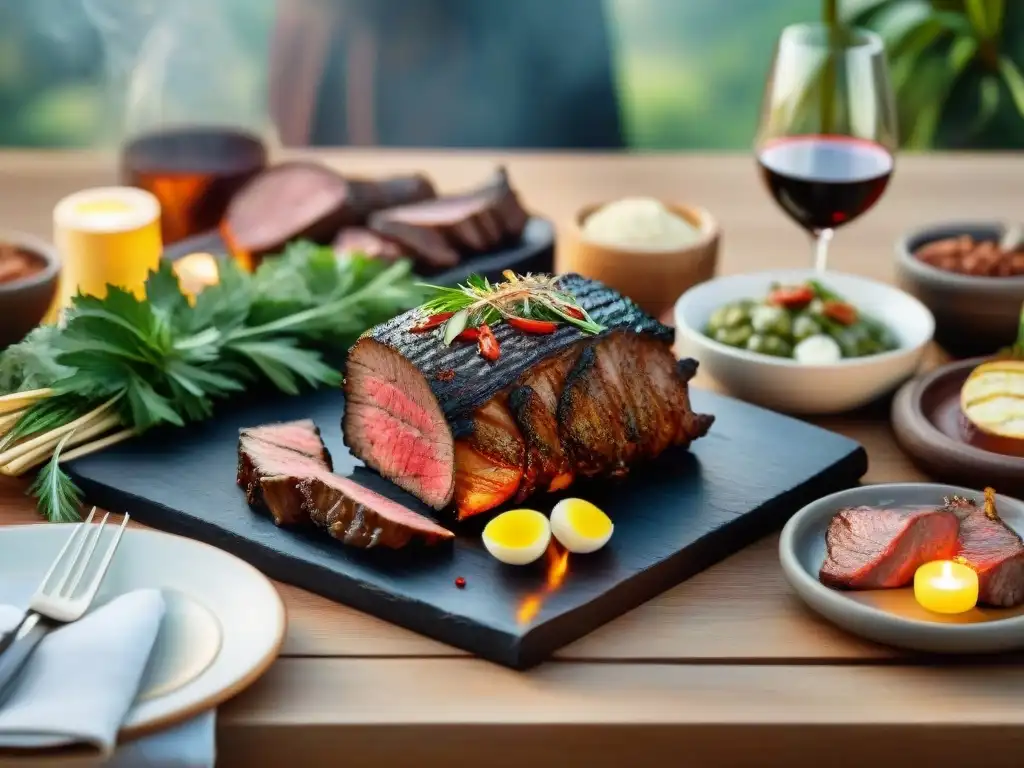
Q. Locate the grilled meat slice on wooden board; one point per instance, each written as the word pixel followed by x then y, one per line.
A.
pixel 270 454
pixel 438 231
pixel 879 548
pixel 993 550
pixel 445 424
pixel 301 199
pixel 362 518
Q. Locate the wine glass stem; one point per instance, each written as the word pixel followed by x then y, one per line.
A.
pixel 822 238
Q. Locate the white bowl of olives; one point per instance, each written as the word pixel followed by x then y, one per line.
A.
pixel 803 342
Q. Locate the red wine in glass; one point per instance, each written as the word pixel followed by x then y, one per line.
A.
pixel 824 182
pixel 828 128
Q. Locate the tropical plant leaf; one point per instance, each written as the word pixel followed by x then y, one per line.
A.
pixel 985 16
pixel 961 53
pixel 988 103
pixel 1014 82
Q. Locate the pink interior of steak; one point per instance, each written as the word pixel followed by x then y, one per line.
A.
pixel 871 548
pixel 395 424
pixel 301 436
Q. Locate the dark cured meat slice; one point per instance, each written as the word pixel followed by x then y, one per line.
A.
pixel 992 549
pixel 302 199
pixel 877 548
pixel 441 229
pixel 361 240
pixel 359 517
pixel 413 406
pixel 424 244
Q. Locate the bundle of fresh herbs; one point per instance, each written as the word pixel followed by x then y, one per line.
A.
pixel 121 365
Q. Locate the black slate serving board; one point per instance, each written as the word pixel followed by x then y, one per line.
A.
pixel 673 518
pixel 535 252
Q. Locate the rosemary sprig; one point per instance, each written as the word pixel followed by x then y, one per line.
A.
pixel 54 491
pixel 529 297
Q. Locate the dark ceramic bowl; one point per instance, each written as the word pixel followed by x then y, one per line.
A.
pixel 24 303
pixel 973 315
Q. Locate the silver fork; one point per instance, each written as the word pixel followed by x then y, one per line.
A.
pixel 51 607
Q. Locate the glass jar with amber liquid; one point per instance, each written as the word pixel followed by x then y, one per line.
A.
pixel 196 123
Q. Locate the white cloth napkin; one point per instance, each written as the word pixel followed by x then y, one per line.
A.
pixel 81 681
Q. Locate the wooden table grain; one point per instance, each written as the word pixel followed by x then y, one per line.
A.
pixel 728 668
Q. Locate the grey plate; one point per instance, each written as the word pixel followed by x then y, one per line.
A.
pixel 892 616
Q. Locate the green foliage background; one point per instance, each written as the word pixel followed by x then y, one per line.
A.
pixel 690 72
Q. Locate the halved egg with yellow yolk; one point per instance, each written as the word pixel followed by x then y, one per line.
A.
pixel 580 526
pixel 517 537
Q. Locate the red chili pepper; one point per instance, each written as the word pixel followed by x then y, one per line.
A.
pixel 489 348
pixel 469 334
pixel 460 582
pixel 795 296
pixel 573 312
pixel 532 326
pixel 431 322
pixel 840 311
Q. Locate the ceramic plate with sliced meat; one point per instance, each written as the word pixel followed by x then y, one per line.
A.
pixel 852 558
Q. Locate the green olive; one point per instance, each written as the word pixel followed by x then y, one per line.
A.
pixel 728 316
pixel 805 326
pixel 774 320
pixel 768 344
pixel 734 337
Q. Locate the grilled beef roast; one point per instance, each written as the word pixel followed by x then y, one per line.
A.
pixel 269 456
pixel 992 549
pixel 367 242
pixel 363 518
pixel 437 231
pixel 285 470
pixel 445 424
pixel 877 548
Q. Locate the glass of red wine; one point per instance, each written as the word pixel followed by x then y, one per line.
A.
pixel 828 128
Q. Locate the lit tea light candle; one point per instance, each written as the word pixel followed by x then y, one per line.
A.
pixel 946 587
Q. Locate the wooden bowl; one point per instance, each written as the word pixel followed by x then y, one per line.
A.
pixel 929 427
pixel 25 302
pixel 653 279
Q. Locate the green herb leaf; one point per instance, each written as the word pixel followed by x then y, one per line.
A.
pixel 32 363
pixel 57 497
pixel 284 364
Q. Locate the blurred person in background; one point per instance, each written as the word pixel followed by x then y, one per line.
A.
pixel 444 73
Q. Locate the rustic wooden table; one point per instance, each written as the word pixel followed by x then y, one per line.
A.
pixel 727 669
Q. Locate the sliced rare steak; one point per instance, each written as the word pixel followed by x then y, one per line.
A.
pixel 992 549
pixel 362 518
pixel 302 436
pixel 438 231
pixel 878 548
pixel 445 424
pixel 272 454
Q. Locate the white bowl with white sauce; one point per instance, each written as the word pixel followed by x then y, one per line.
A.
pixel 819 383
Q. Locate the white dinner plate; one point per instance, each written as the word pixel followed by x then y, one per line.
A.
pixel 893 616
pixel 223 627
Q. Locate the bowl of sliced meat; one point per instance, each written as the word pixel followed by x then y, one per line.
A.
pixel 856 558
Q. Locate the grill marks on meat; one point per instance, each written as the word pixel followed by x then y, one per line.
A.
pixel 550 408
pixel 876 548
pixel 992 549
pixel 363 518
